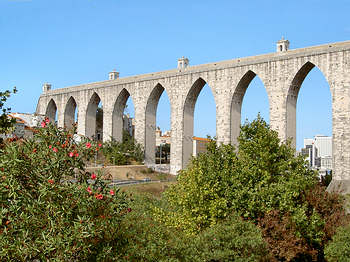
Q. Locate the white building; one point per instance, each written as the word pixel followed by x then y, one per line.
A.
pixel 318 152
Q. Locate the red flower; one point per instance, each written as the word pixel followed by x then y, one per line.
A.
pixel 34 150
pixel 99 196
pixel 88 145
pixel 50 181
pixel 76 154
pixel 99 145
pixel 93 176
pixel 89 190
pixel 129 210
pixel 55 149
pixel 47 120
pixel 50 146
pixel 43 124
pixel 71 154
pixel 111 192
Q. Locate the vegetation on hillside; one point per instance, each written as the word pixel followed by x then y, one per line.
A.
pixel 256 202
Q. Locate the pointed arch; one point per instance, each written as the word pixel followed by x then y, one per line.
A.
pixel 150 124
pixel 69 112
pixel 292 97
pixel 90 122
pixel 51 111
pixel 118 111
pixel 236 103
pixel 188 117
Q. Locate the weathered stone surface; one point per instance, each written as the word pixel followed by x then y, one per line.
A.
pixel 282 74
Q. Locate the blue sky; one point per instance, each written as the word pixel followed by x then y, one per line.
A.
pixel 78 41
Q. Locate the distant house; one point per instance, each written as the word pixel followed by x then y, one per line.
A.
pixel 25 125
pixel 199 145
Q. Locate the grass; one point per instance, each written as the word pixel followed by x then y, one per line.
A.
pixel 155 189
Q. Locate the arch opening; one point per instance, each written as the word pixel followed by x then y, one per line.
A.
pixel 249 99
pixel 157 143
pixel 51 111
pixel 199 120
pixel 94 118
pixel 309 117
pixel 70 113
pixel 123 115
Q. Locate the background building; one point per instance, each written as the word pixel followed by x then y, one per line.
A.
pixel 318 152
pixel 199 145
pixel 25 125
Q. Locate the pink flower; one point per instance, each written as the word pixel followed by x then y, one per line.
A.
pixel 93 176
pixel 99 196
pixel 43 124
pixel 88 145
pixel 71 154
pixel 55 149
pixel 50 146
pixel 99 145
pixel 89 190
pixel 50 181
pixel 76 154
pixel 47 120
pixel 111 192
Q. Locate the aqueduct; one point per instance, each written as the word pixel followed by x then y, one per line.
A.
pixel 282 74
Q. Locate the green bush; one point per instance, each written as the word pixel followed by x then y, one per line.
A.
pixel 123 153
pixel 232 240
pixel 145 239
pixel 262 175
pixel 262 181
pixel 44 214
pixel 339 248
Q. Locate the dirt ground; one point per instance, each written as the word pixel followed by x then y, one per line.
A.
pixel 131 172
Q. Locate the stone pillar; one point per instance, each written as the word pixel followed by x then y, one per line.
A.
pixel 139 121
pixel 60 110
pixel 81 118
pixel 341 135
pixel 107 124
pixel 176 150
pixel 278 119
pixel 223 113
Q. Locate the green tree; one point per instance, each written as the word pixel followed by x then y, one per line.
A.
pixel 263 174
pixel 262 181
pixel 5 122
pixel 122 153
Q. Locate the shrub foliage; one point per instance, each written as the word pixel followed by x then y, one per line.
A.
pixel 262 181
pixel 51 209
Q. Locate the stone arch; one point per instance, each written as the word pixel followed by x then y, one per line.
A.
pixel 236 103
pixel 69 112
pixel 90 122
pixel 51 110
pixel 150 122
pixel 188 115
pixel 117 117
pixel 292 97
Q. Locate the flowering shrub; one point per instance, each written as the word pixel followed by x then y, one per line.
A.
pixel 51 208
